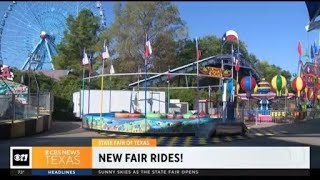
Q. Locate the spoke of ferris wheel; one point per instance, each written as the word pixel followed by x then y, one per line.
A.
pixel 14 25
pixel 26 21
pixel 49 53
pixel 22 13
pixel 31 7
pixel 37 29
pixel 32 52
pixel 6 47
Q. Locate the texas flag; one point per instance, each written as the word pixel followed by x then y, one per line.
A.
pixel 147 49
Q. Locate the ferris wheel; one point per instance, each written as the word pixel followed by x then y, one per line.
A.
pixel 30 31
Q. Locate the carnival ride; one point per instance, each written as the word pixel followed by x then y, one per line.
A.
pixel 172 122
pixel 265 94
pixel 14 96
pixel 30 31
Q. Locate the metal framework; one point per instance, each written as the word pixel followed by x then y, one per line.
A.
pixel 245 67
pixel 313 11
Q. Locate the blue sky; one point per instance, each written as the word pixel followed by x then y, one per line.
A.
pixel 271 30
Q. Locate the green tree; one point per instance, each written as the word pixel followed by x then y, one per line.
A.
pixel 133 20
pixel 81 33
pixel 268 71
pixel 63 95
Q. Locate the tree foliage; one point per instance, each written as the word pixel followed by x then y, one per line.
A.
pixel 268 71
pixel 82 33
pixel 133 20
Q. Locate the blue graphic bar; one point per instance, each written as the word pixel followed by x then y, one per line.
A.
pixel 61 172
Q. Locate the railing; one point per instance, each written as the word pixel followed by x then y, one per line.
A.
pixel 23 107
pixel 287 115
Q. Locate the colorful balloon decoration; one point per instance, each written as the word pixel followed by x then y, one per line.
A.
pixel 247 84
pixel 278 82
pixel 298 85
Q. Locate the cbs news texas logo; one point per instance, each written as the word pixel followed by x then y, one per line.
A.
pixel 50 157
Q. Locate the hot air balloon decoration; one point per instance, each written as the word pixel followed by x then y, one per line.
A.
pixel 278 82
pixel 298 85
pixel 247 84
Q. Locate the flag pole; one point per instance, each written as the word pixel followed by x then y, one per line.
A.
pixel 145 94
pixel 299 70
pixel 232 68
pixel 198 94
pixel 82 107
pixel 145 86
pixel 138 95
pixel 237 81
pixel 168 90
pixel 89 86
pixel 110 87
pixel 101 92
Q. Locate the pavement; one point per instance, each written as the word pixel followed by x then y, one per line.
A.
pixel 71 134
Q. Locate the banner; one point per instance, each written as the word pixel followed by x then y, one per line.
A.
pixel 215 72
pixel 129 156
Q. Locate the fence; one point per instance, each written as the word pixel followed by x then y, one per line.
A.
pixel 15 107
pixel 287 115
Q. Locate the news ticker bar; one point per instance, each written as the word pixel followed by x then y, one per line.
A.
pixel 144 154
pixel 161 172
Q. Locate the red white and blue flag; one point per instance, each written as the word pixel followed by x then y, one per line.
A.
pixel 148 48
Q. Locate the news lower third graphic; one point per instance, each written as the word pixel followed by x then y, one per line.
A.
pixel 116 157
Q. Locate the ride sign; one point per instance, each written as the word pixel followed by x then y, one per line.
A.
pixel 211 71
pixel 5 72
